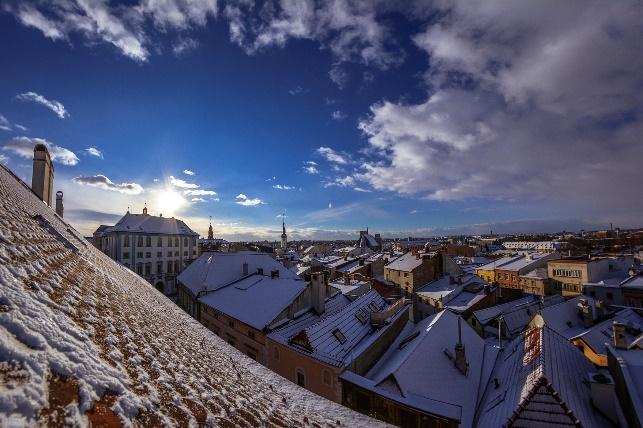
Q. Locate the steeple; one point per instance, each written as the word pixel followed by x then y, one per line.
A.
pixel 284 237
pixel 210 232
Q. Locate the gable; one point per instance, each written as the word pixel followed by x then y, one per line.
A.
pixel 543 407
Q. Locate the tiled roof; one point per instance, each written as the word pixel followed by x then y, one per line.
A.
pixel 540 380
pixel 84 340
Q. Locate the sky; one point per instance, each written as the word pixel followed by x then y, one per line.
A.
pixel 411 118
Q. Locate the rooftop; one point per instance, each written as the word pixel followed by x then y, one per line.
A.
pixel 143 223
pixel 86 340
pixel 405 263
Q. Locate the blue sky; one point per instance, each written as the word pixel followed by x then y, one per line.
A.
pixel 412 119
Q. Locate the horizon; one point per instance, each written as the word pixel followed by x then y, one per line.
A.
pixel 411 119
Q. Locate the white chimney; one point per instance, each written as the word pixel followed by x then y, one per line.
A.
pixel 42 179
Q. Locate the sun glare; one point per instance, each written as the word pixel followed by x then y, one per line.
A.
pixel 169 202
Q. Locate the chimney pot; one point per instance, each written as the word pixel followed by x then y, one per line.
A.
pixel 59 204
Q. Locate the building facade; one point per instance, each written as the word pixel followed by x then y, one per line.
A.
pixel 156 248
pixel 570 274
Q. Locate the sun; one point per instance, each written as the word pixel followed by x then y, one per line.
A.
pixel 169 202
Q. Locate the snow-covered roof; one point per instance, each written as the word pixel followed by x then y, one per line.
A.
pixel 485 315
pixel 538 273
pixel 85 340
pixel 630 366
pixel 143 223
pixel 603 332
pixel 418 368
pixel 405 263
pixel 525 261
pixel 564 318
pixel 541 379
pixel 635 281
pixel 255 300
pixel 321 341
pixel 214 270
pixel 498 263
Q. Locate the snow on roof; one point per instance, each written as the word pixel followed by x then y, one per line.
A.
pixel 603 332
pixel 524 261
pixel 635 281
pixel 540 380
pixel 564 318
pixel 420 364
pixel 212 271
pixel 538 273
pixel 142 223
pixel 499 263
pixel 630 365
pixel 485 315
pixel 83 338
pixel 255 300
pixel 320 339
pixel 405 263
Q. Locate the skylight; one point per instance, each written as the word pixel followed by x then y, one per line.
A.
pixel 339 336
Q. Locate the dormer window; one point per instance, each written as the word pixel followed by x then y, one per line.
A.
pixel 339 336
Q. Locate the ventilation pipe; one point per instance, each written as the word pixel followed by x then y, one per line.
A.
pixel 59 204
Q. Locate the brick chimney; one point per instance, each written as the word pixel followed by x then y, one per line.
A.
pixel 42 179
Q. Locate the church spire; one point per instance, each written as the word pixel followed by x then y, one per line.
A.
pixel 284 237
pixel 210 232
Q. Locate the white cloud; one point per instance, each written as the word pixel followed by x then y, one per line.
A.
pixel 549 112
pixel 53 105
pixel 310 167
pixel 188 172
pixel 197 200
pixel 338 115
pixel 102 182
pixel 333 156
pixel 283 187
pixel 93 151
pixel 341 182
pixel 338 76
pixel 242 199
pixel 3 159
pixel 184 45
pixel 4 123
pixel 413 212
pixel 177 182
pixel 20 127
pixel 330 205
pixel 361 189
pixel 200 192
pixel 296 90
pixel 23 146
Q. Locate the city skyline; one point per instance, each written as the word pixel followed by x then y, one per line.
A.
pixel 411 119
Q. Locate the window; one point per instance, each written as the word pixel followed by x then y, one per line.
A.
pixel 159 267
pixel 610 296
pixel 126 241
pixel 126 255
pixel 176 266
pixel 148 255
pixel 251 334
pixel 373 307
pixel 148 241
pixel 185 253
pixel 362 315
pixel 176 254
pixel 231 324
pixel 139 255
pixel 301 379
pixel 326 378
pixel 339 336
pixel 169 266
pixel 185 242
pixel 159 254
pixel 169 253
pixel 139 241
pixel 194 242
pixel 148 268
pixel 139 268
pixel 406 274
pixel 159 242
pixel 176 242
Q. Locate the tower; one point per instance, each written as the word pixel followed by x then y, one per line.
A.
pixel 210 231
pixel 145 209
pixel 42 179
pixel 284 237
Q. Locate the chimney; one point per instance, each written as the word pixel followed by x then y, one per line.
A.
pixel 274 273
pixel 603 394
pixel 347 279
pixel 460 355
pixel 42 179
pixel 59 204
pixel 245 268
pixel 587 312
pixel 619 336
pixel 318 292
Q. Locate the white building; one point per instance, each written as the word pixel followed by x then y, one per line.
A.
pixel 156 248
